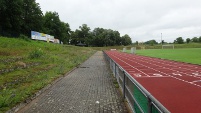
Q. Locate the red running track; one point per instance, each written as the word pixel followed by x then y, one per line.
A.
pixel 176 85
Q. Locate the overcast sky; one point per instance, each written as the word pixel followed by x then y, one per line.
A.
pixel 142 20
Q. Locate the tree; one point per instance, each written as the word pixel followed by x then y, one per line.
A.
pixel 31 17
pixel 10 17
pixel 188 40
pixel 65 32
pixel 126 40
pixel 151 42
pixel 136 42
pixel 179 40
pixel 199 39
pixel 110 39
pixel 195 39
pixel 84 33
pixel 19 17
pixel 118 38
pixel 74 38
pixel 105 37
pixel 99 37
pixel 52 25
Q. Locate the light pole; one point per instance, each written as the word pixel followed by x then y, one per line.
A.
pixel 161 39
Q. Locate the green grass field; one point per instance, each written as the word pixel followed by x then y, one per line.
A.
pixel 26 66
pixel 189 55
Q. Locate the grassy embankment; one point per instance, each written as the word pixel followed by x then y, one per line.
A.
pixel 190 53
pixel 26 66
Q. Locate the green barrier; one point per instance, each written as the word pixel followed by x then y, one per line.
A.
pixel 154 109
pixel 137 110
pixel 141 99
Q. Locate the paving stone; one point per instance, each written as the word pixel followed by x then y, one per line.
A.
pixel 87 89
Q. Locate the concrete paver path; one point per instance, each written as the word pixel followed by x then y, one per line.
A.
pixel 87 89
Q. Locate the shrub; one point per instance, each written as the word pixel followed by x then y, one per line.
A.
pixel 24 37
pixel 37 53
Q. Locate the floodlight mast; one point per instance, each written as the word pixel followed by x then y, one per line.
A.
pixel 161 40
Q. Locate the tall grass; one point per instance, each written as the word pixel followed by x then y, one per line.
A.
pixel 26 66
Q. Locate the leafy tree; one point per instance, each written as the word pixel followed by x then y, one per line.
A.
pixel 99 37
pixel 53 25
pixel 118 38
pixel 110 38
pixel 188 40
pixel 10 17
pixel 31 17
pixel 19 17
pixel 126 40
pixel 195 39
pixel 85 30
pixel 74 39
pixel 136 42
pixel 84 33
pixel 151 42
pixel 104 37
pixel 179 40
pixel 199 39
pixel 65 32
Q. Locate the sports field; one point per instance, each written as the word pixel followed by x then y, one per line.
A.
pixel 176 85
pixel 190 55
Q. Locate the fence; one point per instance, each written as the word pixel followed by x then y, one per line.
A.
pixel 139 99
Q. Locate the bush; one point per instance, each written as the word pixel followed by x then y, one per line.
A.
pixel 24 37
pixel 37 53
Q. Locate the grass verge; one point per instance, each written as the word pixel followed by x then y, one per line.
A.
pixel 26 66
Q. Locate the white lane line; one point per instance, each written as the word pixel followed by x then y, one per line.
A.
pixel 137 74
pixel 194 75
pixel 159 75
pixel 177 74
pixel 195 81
pixel 130 65
pixel 159 71
pixel 155 77
pixel 176 68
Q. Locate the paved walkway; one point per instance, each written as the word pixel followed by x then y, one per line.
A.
pixel 87 89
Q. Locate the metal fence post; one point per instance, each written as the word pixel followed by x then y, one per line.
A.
pixel 124 85
pixel 115 69
pixel 149 105
pixel 110 63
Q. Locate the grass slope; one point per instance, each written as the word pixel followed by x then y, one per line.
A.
pixel 189 55
pixel 26 66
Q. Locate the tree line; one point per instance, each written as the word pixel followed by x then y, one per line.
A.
pixel 98 37
pixel 180 40
pixel 20 17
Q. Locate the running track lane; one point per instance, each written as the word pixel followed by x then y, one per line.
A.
pixel 176 85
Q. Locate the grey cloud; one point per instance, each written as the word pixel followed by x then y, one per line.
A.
pixel 141 19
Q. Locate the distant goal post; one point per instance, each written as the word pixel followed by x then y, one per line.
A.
pixel 168 46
